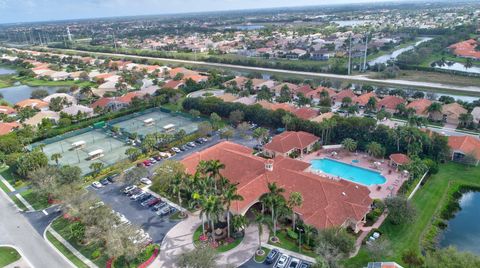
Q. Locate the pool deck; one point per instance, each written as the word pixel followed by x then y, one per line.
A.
pixel 377 191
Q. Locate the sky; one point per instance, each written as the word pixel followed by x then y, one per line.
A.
pixel 47 10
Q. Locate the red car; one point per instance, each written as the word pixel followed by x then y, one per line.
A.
pixel 147 163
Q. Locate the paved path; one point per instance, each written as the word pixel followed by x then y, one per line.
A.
pixel 366 231
pixel 75 252
pixel 180 239
pixel 16 230
pixel 12 189
pixel 472 90
pixel 22 263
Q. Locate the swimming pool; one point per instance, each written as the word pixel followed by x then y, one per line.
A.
pixel 345 171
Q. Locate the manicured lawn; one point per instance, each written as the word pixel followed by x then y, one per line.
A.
pixel 8 255
pixel 67 253
pixel 38 202
pixel 290 244
pixel 62 227
pixel 221 248
pixel 264 256
pixel 429 200
pixel 38 82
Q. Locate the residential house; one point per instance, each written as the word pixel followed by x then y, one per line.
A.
pixel 181 70
pixel 7 127
pixel 34 103
pixel 7 110
pixel 322 117
pixel 76 109
pixel 451 113
pixel 305 113
pixel 326 202
pixel 390 103
pixel 259 83
pixel 70 99
pixel 278 88
pixel 238 81
pixel 342 94
pixel 174 84
pixel 275 106
pixel 290 142
pixel 320 55
pixel 38 118
pixel 420 106
pixel 363 99
pixel 462 146
pixel 476 115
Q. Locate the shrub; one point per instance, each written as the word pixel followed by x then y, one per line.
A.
pixel 292 234
pixel 96 254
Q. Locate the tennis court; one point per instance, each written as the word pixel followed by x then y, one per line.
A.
pixel 113 150
pixel 156 121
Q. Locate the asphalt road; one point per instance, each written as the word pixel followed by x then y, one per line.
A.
pixel 472 90
pixel 15 229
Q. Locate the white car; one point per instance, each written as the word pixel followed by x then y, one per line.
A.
pixel 136 196
pixel 294 263
pixel 146 181
pixel 282 261
pixel 96 184
pixel 176 150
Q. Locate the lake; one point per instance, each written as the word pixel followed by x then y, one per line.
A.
pixel 6 71
pixel 18 93
pixel 459 67
pixel 463 231
pixel 394 54
pixel 349 23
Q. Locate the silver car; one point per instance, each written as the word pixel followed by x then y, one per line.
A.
pixel 282 261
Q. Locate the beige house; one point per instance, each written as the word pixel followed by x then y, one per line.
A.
pixel 451 113
pixel 290 142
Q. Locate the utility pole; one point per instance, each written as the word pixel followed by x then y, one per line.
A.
pixel 350 54
pixel 366 48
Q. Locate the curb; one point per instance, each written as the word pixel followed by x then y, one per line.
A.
pixel 54 247
pixel 23 256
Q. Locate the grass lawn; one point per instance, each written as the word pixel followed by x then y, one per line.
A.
pixel 65 251
pixel 429 201
pixel 62 227
pixel 264 256
pixel 8 255
pixel 67 83
pixel 290 244
pixel 437 77
pixel 221 248
pixel 12 179
pixel 6 81
pixel 37 202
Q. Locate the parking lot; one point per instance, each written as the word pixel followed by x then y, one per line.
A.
pixel 253 264
pixel 156 226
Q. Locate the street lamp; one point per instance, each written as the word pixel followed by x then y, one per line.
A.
pixel 300 231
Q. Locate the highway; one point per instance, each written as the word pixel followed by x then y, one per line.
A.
pixel 437 87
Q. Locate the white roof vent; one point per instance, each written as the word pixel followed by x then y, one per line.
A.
pixel 344 194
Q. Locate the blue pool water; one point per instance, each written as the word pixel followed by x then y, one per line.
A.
pixel 348 172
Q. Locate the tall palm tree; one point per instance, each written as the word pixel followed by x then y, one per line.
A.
pixel 213 207
pixel 213 169
pixel 239 222
pixel 287 120
pixel 56 157
pixel 295 200
pixel 273 199
pixel 229 195
pixel 349 144
pixel 177 185
pixel 260 220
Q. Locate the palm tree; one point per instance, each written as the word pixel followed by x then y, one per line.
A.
pixel 213 207
pixel 260 220
pixel 375 149
pixel 287 120
pixel 309 231
pixel 295 200
pixel 465 119
pixel 56 157
pixel 273 199
pixel 434 108
pixel 177 185
pixel 230 195
pixel 213 170
pixel 468 63
pixel 349 144
pixel 239 222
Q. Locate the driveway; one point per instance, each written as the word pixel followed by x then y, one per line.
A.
pixel 16 230
pixel 153 224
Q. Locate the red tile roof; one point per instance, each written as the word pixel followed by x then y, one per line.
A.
pixel 465 145
pixel 6 128
pixel 303 89
pixel 289 140
pixel 102 102
pixel 184 71
pixel 327 203
pixel 344 93
pixel 6 109
pixel 466 49
pixel 420 106
pixel 173 84
pixel 275 106
pixel 305 113
pixel 363 99
pixel 400 159
pixel 34 103
pixel 390 102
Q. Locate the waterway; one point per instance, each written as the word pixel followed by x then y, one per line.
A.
pixel 21 92
pixel 6 71
pixel 350 23
pixel 394 54
pixel 463 231
pixel 455 66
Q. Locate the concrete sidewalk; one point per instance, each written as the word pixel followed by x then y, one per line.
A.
pixel 12 189
pixel 180 239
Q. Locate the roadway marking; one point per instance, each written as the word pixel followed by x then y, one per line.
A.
pixel 45 212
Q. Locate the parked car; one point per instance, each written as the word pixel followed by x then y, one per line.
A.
pixel 191 144
pixel 153 202
pixel 104 181
pixel 147 163
pixel 282 261
pixel 272 255
pixel 134 192
pixel 145 202
pixel 159 206
pixel 137 195
pixel 166 210
pixel 294 263
pixel 176 150
pixel 199 141
pixel 152 160
pixel 184 148
pixel 96 184
pixel 144 197
pixel 113 178
pixel 146 181
pixel 141 164
pixel 157 157
pixel 305 264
